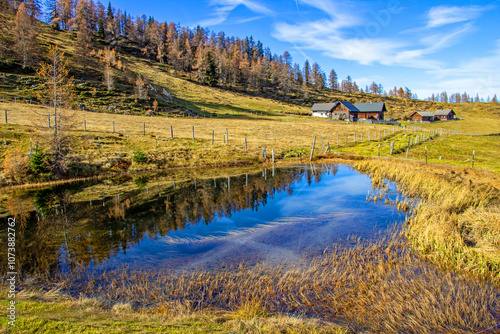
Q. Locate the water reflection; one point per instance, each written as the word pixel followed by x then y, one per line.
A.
pixel 153 221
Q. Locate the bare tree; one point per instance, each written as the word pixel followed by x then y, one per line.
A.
pixel 108 58
pixel 57 89
pixel 141 91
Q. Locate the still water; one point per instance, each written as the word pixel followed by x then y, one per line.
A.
pixel 164 222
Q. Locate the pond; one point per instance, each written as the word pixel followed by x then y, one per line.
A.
pixel 179 223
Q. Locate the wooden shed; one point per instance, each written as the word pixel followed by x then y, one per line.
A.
pixel 445 114
pixel 337 110
pixel 422 116
pixel 371 110
pixel 345 111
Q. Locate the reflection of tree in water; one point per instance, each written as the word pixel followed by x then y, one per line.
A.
pixel 60 232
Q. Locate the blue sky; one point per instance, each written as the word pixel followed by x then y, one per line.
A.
pixel 428 46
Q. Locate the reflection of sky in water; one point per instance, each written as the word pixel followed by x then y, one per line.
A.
pixel 284 229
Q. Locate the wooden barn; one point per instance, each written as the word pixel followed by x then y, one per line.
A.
pixel 445 114
pixel 371 110
pixel 337 110
pixel 345 111
pixel 422 116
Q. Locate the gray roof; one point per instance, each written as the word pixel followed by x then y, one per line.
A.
pixel 349 106
pixel 424 113
pixel 443 112
pixel 326 107
pixel 371 106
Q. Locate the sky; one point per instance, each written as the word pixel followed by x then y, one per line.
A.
pixel 427 46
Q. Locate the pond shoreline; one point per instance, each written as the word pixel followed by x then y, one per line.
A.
pixel 451 198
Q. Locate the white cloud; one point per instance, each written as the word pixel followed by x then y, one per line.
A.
pixel 224 7
pixel 329 36
pixel 442 15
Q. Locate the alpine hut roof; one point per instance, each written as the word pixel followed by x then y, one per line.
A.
pixel 323 107
pixel 371 107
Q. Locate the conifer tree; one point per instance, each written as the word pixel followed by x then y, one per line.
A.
pixel 333 80
pixel 83 47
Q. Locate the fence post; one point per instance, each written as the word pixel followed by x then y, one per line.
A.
pixel 392 146
pixel 48 119
pixel 379 150
pixel 473 156
pixel 246 148
pixel 227 136
pixel 272 154
pixel 6 117
pixel 312 151
pixel 113 126
pixel 171 132
pixel 99 143
pixel 193 132
pixel 425 153
pixel 157 142
pixel 84 125
pixel 144 129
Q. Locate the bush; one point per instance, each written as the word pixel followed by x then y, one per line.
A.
pixel 38 162
pixel 139 158
pixel 15 165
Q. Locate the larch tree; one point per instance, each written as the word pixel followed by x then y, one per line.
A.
pixel 141 91
pixel 317 75
pixel 66 13
pixel 57 89
pixel 307 72
pixel 333 80
pixel 83 48
pixel 24 35
pixel 108 58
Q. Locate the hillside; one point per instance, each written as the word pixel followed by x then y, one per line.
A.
pixel 91 93
pixel 113 128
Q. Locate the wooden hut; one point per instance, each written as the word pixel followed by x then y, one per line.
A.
pixel 371 110
pixel 422 116
pixel 445 114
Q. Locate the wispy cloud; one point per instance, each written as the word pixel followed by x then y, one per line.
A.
pixel 222 9
pixel 341 32
pixel 333 37
pixel 477 75
pixel 443 15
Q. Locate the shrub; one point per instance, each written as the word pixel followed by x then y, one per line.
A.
pixel 139 157
pixel 15 165
pixel 38 162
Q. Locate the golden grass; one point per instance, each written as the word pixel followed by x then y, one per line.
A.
pixel 54 312
pixel 376 287
pixel 456 224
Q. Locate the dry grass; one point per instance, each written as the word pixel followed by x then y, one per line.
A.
pixel 378 287
pixel 456 224
pixel 54 312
